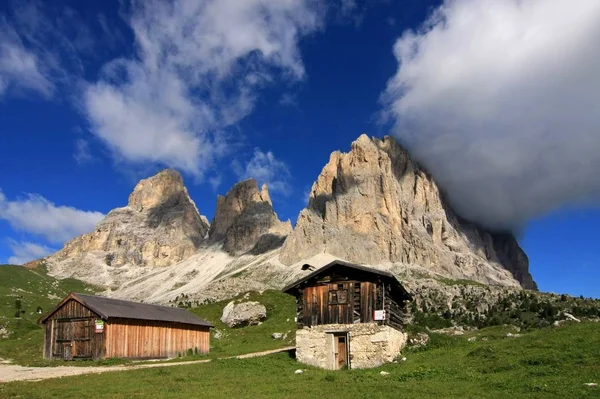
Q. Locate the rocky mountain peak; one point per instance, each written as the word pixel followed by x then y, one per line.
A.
pixel 156 190
pixel 245 220
pixel 264 194
pixel 374 205
pixel 160 226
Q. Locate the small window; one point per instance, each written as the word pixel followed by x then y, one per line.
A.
pixel 338 297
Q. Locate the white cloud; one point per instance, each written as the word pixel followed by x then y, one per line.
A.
pixel 35 214
pixel 215 182
pixel 25 251
pixel 82 153
pixel 198 68
pixel 288 100
pixel 41 47
pixel 500 100
pixel 266 169
pixel 20 69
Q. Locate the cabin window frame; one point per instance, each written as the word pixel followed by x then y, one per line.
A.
pixel 333 297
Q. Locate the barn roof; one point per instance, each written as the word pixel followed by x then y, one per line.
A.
pixel 108 308
pixel 352 267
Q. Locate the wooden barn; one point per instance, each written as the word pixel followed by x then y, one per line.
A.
pixel 94 327
pixel 349 316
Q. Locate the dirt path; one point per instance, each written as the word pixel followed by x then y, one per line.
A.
pixel 9 372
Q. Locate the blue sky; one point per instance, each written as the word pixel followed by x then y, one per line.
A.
pixel 497 98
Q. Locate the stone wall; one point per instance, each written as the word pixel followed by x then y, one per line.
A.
pixel 370 345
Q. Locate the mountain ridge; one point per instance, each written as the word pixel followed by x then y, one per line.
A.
pixel 372 205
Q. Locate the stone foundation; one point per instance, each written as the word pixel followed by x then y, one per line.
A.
pixel 370 345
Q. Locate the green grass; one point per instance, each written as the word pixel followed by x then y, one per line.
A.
pixel 33 288
pixel 281 309
pixel 546 363
pixel 36 288
pixel 449 281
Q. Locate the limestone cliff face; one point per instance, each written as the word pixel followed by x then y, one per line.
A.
pixel 160 226
pixel 246 222
pixel 375 205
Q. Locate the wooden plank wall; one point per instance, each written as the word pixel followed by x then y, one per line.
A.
pixel 48 339
pixel 368 293
pixel 394 309
pixel 72 324
pixel 72 310
pixel 128 338
pixel 313 306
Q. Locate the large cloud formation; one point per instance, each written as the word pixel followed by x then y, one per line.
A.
pixel 198 69
pixel 36 215
pixel 500 99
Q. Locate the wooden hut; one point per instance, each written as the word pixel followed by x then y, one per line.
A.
pixel 94 327
pixel 349 316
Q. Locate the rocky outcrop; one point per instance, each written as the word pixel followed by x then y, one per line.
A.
pixel 243 314
pixel 246 222
pixel 160 226
pixel 375 205
pixel 514 259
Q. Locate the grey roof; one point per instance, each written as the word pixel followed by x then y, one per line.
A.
pixel 382 273
pixel 108 308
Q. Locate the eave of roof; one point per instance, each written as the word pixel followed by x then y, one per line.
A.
pixel 108 308
pixel 366 269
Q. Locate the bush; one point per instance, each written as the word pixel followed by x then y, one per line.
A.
pixel 431 320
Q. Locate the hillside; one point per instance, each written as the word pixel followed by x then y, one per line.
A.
pixel 24 292
pixel 35 288
pixel 551 362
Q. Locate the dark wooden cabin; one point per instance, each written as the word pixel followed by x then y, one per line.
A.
pixel 345 293
pixel 95 327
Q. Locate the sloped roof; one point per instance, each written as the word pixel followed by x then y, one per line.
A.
pixel 108 308
pixel 340 263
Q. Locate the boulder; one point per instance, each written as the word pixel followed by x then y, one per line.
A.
pixel 421 339
pixel 571 317
pixel 4 333
pixel 218 334
pixel 277 336
pixel 243 314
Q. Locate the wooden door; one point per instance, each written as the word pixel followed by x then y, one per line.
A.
pixel 72 339
pixel 341 351
pixel 82 338
pixel 62 337
pixel 67 351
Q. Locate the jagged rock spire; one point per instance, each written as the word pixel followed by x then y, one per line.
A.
pixel 245 220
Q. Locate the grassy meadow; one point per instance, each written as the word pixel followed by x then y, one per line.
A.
pixel 35 288
pixel 24 292
pixel 549 362
pixel 546 363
